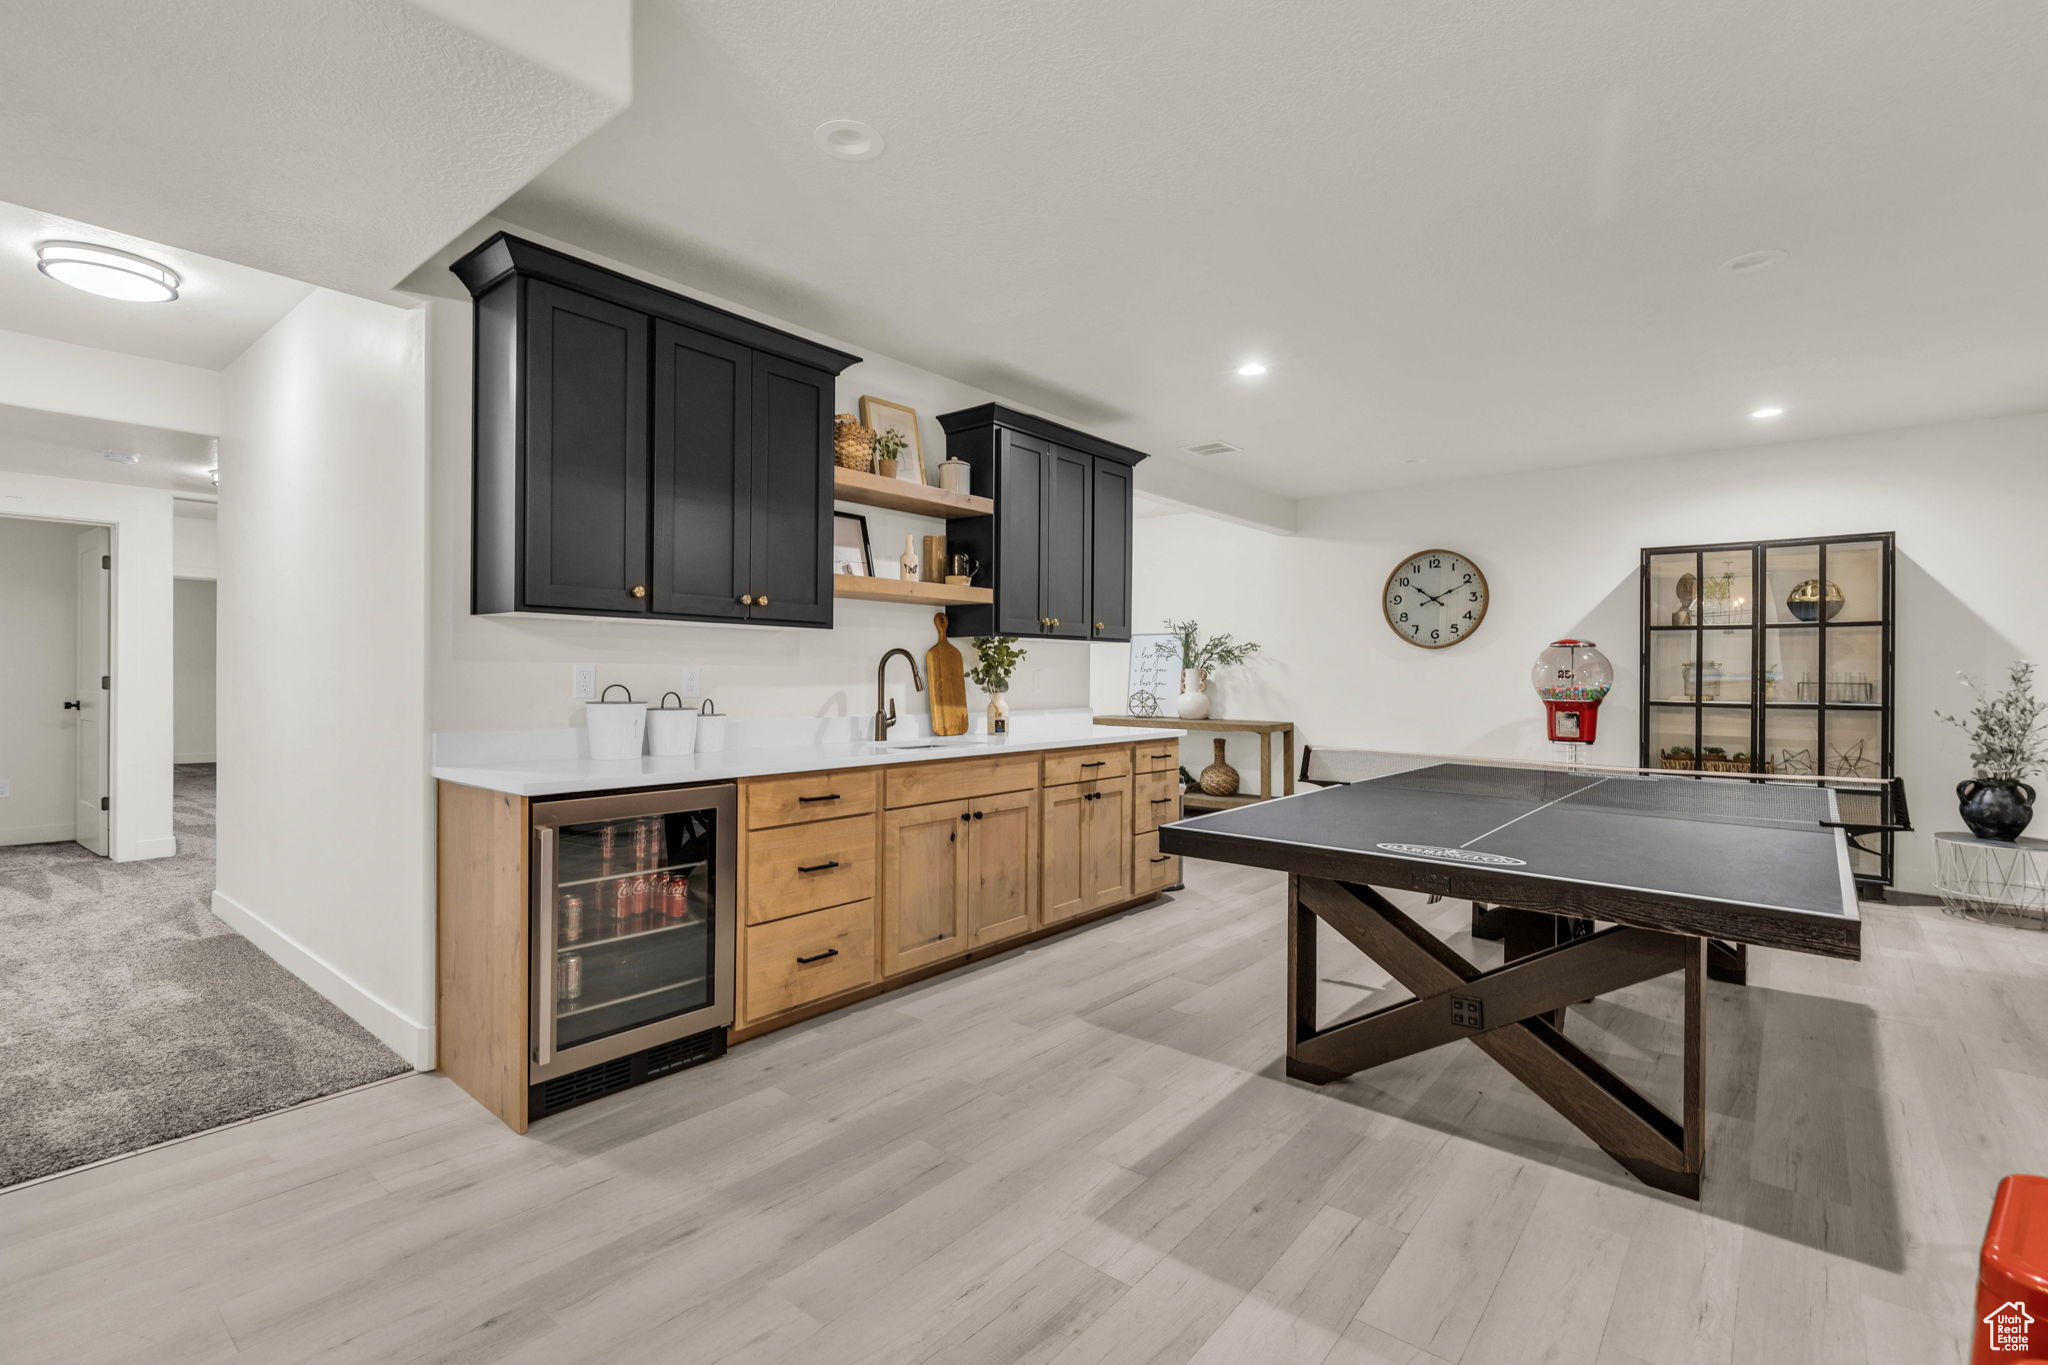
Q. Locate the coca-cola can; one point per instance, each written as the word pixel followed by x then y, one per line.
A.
pixel 569 975
pixel 607 841
pixel 643 838
pixel 675 900
pixel 641 895
pixel 570 925
pixel 622 905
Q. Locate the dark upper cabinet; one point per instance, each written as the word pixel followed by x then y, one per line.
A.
pixel 639 453
pixel 1109 551
pixel 1058 547
pixel 586 453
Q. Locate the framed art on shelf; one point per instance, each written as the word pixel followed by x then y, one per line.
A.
pixel 881 415
pixel 850 553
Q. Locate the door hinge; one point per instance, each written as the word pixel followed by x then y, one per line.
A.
pixel 104 805
pixel 106 561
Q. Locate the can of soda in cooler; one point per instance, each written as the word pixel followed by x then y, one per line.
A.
pixel 571 926
pixel 569 975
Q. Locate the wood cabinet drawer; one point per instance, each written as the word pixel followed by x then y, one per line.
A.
pixel 918 784
pixel 800 868
pixel 1151 870
pixel 773 801
pixel 1155 800
pixel 1086 765
pixel 805 958
pixel 1158 755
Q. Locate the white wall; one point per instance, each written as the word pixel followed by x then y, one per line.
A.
pixel 38 642
pixel 1559 550
pixel 139 766
pixel 513 673
pixel 195 546
pixel 193 629
pixel 325 819
pixel 57 376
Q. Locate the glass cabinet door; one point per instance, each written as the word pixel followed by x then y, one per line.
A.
pixel 634 923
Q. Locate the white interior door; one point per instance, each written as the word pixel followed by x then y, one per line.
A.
pixel 95 581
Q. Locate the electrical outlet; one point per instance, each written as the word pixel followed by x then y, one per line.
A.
pixel 583 682
pixel 693 683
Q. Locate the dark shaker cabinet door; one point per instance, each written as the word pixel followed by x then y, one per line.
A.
pixel 792 493
pixel 703 433
pixel 586 453
pixel 1020 497
pixel 1064 544
pixel 1109 586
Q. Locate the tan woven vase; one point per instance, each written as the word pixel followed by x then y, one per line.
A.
pixel 853 445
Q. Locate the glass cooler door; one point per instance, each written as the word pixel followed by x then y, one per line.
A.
pixel 633 927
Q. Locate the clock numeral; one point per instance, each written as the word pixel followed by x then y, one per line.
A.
pixel 1473 595
pixel 1398 599
pixel 1454 627
pixel 1404 616
pixel 1468 578
pixel 1468 616
pixel 1435 635
pixel 1405 583
pixel 1436 563
pixel 1415 630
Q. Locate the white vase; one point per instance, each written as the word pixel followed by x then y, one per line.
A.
pixel 998 713
pixel 1194 694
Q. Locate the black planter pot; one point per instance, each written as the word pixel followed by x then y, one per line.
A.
pixel 1996 807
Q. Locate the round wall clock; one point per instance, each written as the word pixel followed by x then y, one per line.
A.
pixel 1435 598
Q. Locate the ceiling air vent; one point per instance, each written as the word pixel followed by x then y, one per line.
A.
pixel 1213 448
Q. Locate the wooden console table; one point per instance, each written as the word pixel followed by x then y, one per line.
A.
pixel 1197 799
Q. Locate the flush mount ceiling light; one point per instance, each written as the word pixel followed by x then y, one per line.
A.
pixel 849 139
pixel 1251 369
pixel 1749 262
pixel 109 273
pixel 1766 414
pixel 121 456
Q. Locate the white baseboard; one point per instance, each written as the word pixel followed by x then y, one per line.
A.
pixel 192 758
pixel 39 834
pixel 408 1038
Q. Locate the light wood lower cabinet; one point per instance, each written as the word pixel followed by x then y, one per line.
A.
pixel 1152 870
pixel 1087 863
pixel 957 875
pixel 792 962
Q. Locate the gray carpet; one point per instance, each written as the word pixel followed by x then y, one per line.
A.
pixel 129 1015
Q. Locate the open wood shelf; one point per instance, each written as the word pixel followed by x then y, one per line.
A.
pixel 1197 799
pixel 872 490
pixel 908 590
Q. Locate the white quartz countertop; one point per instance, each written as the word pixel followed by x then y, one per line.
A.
pixel 497 765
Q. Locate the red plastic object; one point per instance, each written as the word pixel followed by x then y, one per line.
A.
pixel 2012 1277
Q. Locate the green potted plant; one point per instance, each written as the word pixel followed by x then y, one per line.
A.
pixel 1198 659
pixel 995 658
pixel 888 445
pixel 2008 744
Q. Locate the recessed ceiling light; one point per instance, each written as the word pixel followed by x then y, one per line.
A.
pixel 1749 262
pixel 109 273
pixel 1766 414
pixel 1251 369
pixel 850 139
pixel 121 456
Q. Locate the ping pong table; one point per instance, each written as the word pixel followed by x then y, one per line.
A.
pixel 1669 863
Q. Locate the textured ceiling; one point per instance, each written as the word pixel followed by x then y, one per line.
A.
pixel 220 309
pixel 1466 238
pixel 339 142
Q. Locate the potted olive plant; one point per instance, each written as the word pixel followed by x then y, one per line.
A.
pixel 1198 659
pixel 2008 744
pixel 888 448
pixel 995 658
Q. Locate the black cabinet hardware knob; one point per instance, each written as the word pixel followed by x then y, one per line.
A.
pixel 806 800
pixel 1162 800
pixel 965 817
pixel 74 706
pixel 820 867
pixel 1162 755
pixel 807 961
pixel 977 815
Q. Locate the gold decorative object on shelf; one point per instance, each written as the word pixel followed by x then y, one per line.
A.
pixel 1219 778
pixel 1804 601
pixel 853 443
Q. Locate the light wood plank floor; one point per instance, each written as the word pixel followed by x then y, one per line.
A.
pixel 1085 1152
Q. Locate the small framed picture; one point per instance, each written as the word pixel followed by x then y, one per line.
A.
pixel 882 415
pixel 850 553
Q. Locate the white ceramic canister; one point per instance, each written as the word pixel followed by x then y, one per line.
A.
pixel 710 728
pixel 671 730
pixel 617 729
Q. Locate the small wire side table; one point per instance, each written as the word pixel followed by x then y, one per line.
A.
pixel 1988 880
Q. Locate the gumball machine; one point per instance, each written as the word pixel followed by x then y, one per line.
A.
pixel 1573 678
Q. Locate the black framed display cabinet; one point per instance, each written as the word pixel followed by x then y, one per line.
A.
pixel 1058 545
pixel 643 454
pixel 1775 657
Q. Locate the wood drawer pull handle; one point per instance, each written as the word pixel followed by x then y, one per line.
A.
pixel 807 961
pixel 820 867
pixel 807 800
pixel 1164 858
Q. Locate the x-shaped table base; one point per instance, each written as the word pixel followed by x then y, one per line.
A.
pixel 1514 1013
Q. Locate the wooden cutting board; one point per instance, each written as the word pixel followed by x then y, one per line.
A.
pixel 946 683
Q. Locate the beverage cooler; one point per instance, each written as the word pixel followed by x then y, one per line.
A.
pixel 633 906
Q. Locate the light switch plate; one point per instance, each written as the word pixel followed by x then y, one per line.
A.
pixel 583 682
pixel 693 683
